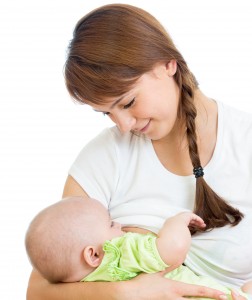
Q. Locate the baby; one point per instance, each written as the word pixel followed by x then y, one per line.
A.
pixel 75 240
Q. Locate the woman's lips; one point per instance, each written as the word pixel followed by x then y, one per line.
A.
pixel 145 128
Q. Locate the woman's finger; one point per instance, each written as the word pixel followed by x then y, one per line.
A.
pixel 190 290
pixel 236 295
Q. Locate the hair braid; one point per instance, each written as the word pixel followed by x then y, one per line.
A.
pixel 214 210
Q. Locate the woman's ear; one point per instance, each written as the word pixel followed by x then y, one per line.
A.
pixel 92 256
pixel 171 67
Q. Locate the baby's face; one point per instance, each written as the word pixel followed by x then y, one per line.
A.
pixel 106 229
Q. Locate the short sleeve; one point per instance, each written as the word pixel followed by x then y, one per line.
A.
pixel 96 168
pixel 139 254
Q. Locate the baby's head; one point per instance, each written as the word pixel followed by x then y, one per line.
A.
pixel 64 241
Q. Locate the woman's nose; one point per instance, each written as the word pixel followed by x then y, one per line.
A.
pixel 125 122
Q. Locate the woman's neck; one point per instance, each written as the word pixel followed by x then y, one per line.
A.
pixel 206 120
pixel 172 151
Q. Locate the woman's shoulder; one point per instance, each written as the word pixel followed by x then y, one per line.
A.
pixel 115 134
pixel 112 137
pixel 235 121
pixel 110 145
pixel 231 113
pixel 103 140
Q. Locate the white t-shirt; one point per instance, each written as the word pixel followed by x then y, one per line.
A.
pixel 124 173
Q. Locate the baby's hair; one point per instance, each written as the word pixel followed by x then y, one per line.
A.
pixel 53 237
pixel 112 47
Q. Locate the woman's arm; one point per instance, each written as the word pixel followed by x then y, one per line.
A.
pixel 247 287
pixel 72 188
pixel 40 289
pixel 145 286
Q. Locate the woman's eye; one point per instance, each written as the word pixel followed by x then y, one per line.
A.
pixel 129 104
pixel 105 113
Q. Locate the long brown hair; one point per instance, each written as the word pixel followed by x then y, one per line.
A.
pixel 111 48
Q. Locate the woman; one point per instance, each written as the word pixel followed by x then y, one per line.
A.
pixel 122 63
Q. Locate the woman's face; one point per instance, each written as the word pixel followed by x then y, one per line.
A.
pixel 150 107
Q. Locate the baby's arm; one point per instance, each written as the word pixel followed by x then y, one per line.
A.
pixel 174 238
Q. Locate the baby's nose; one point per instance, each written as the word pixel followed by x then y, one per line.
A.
pixel 117 225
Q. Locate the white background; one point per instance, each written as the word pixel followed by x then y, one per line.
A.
pixel 42 130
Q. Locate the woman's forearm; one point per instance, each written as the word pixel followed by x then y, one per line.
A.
pixel 145 286
pixel 40 289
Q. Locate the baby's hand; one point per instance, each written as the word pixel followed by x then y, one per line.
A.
pixel 191 219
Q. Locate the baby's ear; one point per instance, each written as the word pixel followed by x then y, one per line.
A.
pixel 92 256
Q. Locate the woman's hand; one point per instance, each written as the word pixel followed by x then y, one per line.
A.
pixel 157 287
pixel 237 296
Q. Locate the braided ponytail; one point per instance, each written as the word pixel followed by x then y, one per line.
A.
pixel 214 210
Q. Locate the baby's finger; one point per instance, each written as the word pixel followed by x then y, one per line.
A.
pixel 199 223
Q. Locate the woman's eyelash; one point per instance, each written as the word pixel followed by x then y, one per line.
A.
pixel 129 104
pixel 124 107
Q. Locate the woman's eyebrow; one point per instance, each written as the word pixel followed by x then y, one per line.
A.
pixel 116 102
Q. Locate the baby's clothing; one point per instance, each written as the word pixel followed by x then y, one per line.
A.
pixel 133 253
pixel 126 256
